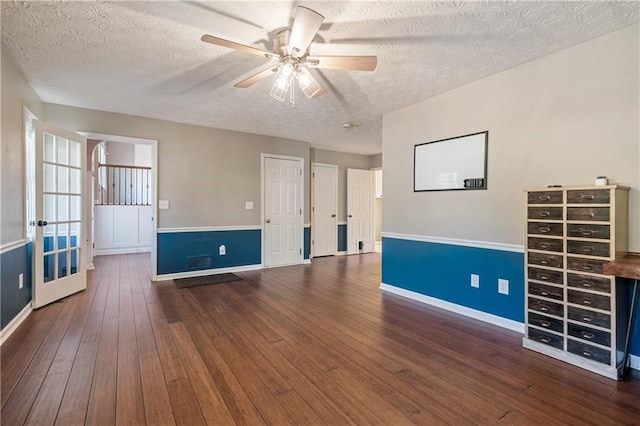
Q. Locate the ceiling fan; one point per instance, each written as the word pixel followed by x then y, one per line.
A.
pixel 290 50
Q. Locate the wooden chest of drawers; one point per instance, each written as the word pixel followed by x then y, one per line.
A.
pixel 572 311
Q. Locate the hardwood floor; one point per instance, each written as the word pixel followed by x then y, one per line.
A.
pixel 312 344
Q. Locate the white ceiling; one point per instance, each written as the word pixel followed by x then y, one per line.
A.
pixel 146 58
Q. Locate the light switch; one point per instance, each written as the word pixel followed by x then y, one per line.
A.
pixel 248 205
pixel 163 204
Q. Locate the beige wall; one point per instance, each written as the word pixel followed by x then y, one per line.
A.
pixel 206 174
pixel 344 161
pixel 562 119
pixel 375 161
pixel 123 154
pixel 16 92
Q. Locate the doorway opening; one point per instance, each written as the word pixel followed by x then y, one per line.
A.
pixel 377 209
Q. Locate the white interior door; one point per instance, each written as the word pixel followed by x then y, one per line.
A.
pixel 325 209
pixel 282 211
pixel 360 226
pixel 58 252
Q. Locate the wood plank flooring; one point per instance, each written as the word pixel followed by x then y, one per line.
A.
pixel 310 344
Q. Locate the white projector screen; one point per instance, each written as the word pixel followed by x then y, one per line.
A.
pixel 451 164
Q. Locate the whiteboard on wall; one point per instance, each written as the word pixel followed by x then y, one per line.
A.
pixel 458 163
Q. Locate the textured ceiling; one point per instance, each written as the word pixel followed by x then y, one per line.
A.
pixel 146 58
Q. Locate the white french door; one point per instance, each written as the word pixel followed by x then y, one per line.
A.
pixel 58 252
pixel 325 208
pixel 360 228
pixel 282 210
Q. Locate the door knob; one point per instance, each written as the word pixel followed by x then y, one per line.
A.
pixel 268 221
pixel 350 216
pixel 333 215
pixel 42 223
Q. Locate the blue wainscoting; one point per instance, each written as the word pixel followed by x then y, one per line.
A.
pixel 307 242
pixel 443 271
pixel 194 251
pixel 342 237
pixel 13 300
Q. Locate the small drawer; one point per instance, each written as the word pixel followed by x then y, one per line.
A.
pixel 545 275
pixel 548 291
pixel 585 265
pixel 588 248
pixel 589 196
pixel 591 214
pixel 588 282
pixel 546 307
pixel 589 300
pixel 542 228
pixel 550 260
pixel 588 231
pixel 589 317
pixel 546 338
pixel 590 352
pixel 553 213
pixel 546 244
pixel 544 197
pixel 546 322
pixel 589 334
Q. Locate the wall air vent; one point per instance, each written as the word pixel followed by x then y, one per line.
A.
pixel 199 262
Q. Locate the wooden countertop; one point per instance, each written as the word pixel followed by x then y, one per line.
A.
pixel 626 267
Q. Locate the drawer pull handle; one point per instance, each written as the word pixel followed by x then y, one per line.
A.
pixel 545 339
pixel 588 335
pixel 586 233
pixel 544 213
pixel 587 318
pixel 543 246
pixel 587 197
pixel 545 323
pixel 592 213
pixel 587 354
pixel 544 262
pixel 544 229
pixel 587 302
pixel 587 249
pixel 544 293
pixel 587 267
pixel 544 198
pixel 544 277
pixel 543 309
pixel 586 284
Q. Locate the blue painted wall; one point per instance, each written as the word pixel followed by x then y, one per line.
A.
pixel 307 242
pixel 177 249
pixel 443 271
pixel 342 237
pixel 12 299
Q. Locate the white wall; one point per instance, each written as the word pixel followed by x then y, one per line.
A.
pixel 562 119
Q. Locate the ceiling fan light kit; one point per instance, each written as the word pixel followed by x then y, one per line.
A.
pixel 290 47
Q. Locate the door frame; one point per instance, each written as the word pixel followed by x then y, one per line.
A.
pixel 300 160
pixel 313 189
pixel 154 192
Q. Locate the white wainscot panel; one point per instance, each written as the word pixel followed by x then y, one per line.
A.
pixel 123 229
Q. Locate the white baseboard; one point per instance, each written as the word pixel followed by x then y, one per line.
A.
pixel 15 323
pixel 306 261
pixel 458 309
pixel 204 272
pixel 341 253
pixel 635 362
pixel 122 250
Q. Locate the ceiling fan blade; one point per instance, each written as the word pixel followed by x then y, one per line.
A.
pixel 237 46
pixel 355 63
pixel 260 75
pixel 313 89
pixel 305 27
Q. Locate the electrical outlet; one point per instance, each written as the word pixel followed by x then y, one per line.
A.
pixel 248 205
pixel 475 280
pixel 222 250
pixel 20 281
pixel 163 204
pixel 503 286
